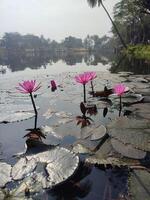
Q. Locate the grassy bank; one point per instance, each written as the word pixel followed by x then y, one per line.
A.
pixel 139 51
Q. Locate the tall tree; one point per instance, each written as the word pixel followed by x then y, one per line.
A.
pixel 133 24
pixel 94 3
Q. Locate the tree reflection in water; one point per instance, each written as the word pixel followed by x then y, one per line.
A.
pixel 17 61
pixel 130 64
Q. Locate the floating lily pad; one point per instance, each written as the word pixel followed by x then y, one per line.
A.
pixel 106 161
pixel 139 183
pixel 85 145
pixel 49 113
pixel 31 185
pixel 61 164
pixel 3 193
pixel 98 132
pixel 127 150
pixel 145 91
pixel 14 113
pixel 138 79
pixel 15 117
pixel 124 122
pixel 146 99
pixel 22 168
pixel 128 98
pixel 80 148
pixel 131 131
pixel 39 171
pixel 5 170
pixel 12 108
pixel 142 110
pixel 107 156
pixel 63 114
pixel 47 130
pixel 86 131
pixel 64 121
pixel 132 98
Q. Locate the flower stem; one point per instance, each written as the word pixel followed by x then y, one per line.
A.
pixel 84 91
pixel 35 110
pixel 92 88
pixel 120 107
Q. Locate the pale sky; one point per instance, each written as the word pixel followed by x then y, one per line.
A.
pixel 55 19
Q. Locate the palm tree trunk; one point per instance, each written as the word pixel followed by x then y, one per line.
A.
pixel 116 29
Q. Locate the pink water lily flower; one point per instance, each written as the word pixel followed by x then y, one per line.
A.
pixel 83 78
pixel 91 74
pixel 119 89
pixel 28 86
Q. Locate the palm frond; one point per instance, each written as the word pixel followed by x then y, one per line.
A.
pixel 94 3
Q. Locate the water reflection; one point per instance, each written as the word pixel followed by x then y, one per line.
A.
pixel 130 64
pixel 17 61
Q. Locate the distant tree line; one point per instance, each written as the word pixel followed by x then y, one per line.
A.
pixel 31 44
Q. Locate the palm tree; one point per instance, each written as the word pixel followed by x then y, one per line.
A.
pixel 94 3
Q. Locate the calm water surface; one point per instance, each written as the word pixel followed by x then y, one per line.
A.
pixel 94 183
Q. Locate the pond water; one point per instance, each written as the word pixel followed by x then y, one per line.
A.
pixel 91 182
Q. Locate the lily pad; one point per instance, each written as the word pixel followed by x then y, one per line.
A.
pixel 28 185
pixel 15 117
pixel 65 120
pixel 49 113
pixel 128 98
pixel 5 177
pixel 139 183
pixel 22 168
pixel 60 164
pixel 141 110
pixel 3 193
pixel 127 150
pixel 63 114
pixel 124 122
pixel 84 145
pixel 131 131
pixel 12 108
pixel 62 167
pixel 47 130
pixel 107 156
pixel 98 132
pixel 39 171
pixel 80 148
